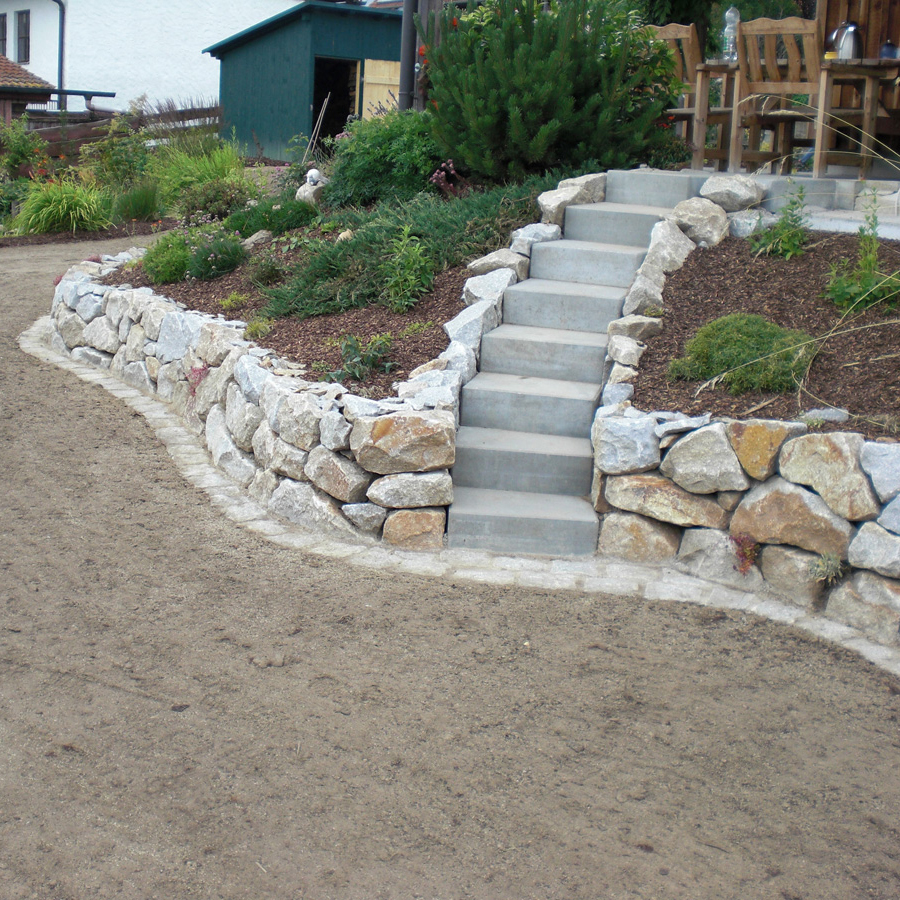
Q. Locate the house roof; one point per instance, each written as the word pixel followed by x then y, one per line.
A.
pixel 276 22
pixel 13 75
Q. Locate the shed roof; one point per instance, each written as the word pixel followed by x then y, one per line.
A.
pixel 13 75
pixel 276 22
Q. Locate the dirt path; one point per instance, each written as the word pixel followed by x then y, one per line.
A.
pixel 423 739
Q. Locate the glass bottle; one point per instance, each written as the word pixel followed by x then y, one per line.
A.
pixel 729 34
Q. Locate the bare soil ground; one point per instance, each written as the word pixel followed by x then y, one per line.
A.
pixel 423 739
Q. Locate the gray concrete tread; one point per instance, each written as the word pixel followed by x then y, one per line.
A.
pixel 625 208
pixel 568 289
pixel 520 505
pixel 592 246
pixel 548 335
pixel 538 387
pixel 472 437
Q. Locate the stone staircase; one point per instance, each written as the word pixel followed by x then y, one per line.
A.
pixel 522 477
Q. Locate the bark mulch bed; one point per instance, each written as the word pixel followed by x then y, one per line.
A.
pixel 417 336
pixel 859 372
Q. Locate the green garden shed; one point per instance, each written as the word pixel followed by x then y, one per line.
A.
pixel 275 77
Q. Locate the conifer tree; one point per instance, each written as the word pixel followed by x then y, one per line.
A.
pixel 516 89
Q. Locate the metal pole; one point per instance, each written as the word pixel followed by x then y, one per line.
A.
pixel 407 55
pixel 60 80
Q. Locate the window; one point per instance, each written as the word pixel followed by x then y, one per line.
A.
pixel 23 36
pixel 2 34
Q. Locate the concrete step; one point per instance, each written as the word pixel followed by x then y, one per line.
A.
pixel 518 522
pixel 544 352
pixel 618 223
pixel 521 461
pixel 586 262
pixel 525 403
pixel 561 304
pixel 651 187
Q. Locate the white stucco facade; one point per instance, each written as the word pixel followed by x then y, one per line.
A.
pixel 135 47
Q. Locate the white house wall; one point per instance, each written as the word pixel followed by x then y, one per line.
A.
pixel 135 47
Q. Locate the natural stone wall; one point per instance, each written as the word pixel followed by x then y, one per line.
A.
pixel 692 491
pixel 313 452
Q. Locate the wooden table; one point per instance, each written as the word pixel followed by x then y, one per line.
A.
pixel 867 76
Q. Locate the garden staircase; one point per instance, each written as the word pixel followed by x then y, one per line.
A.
pixel 522 477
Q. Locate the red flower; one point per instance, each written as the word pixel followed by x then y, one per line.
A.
pixel 454 21
pixel 422 50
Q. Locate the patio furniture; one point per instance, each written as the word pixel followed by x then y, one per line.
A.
pixel 778 59
pixel 695 75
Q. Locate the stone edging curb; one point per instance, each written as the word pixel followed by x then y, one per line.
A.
pixel 589 576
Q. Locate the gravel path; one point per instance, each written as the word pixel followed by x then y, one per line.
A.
pixel 188 711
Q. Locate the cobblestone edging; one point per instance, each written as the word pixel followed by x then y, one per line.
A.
pixel 593 577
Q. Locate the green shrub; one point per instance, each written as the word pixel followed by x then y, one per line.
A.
pixel 277 215
pixel 215 199
pixel 62 206
pixel 407 272
pixel 214 255
pixel 120 159
pixel 524 90
pixel 177 169
pixel 266 270
pixel 359 360
pixel 745 353
pixel 335 276
pixel 168 259
pixel 787 237
pixel 11 193
pixel 141 203
pixel 389 156
pixel 258 327
pixel 864 285
pixel 19 146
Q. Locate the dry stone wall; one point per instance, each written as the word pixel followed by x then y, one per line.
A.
pixel 314 453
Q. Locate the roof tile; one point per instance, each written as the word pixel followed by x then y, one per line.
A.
pixel 13 75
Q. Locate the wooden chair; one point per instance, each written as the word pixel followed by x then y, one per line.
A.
pixel 777 60
pixel 685 47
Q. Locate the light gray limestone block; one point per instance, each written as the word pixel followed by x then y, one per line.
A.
pixel 263 485
pixel 669 248
pixel 637 538
pixel 701 220
pixel 411 490
pixel 304 504
pixel 334 431
pixel 241 417
pixel 639 328
pixel 787 571
pixel 91 357
pixel 134 346
pixel 876 548
pixel 337 475
pixel 251 376
pixel 468 327
pixel 178 332
pixel 711 554
pixel 623 446
pixel 226 455
pixel 489 287
pixel 523 239
pixel 101 335
pixel 703 462
pixel 733 192
pixel 501 259
pixel 367 517
pixel 281 457
pixel 881 462
pixel 71 328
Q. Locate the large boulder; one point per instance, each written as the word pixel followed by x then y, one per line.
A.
pixel 669 248
pixel 876 548
pixel 405 442
pixel 637 538
pixel 711 554
pixel 869 603
pixel 658 498
pixel 703 462
pixel 829 464
pixel 302 503
pixel 501 259
pixel 733 192
pixel 523 239
pixel 410 490
pixel 489 287
pixel 787 571
pixel 778 512
pixel 881 462
pixel 298 420
pixel 479 318
pixel 757 443
pixel 637 327
pixel 225 454
pixel 338 476
pixel 415 529
pixel 553 203
pixel 623 445
pixel 701 220
pixel 281 457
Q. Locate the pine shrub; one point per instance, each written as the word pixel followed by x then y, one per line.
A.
pixel 522 90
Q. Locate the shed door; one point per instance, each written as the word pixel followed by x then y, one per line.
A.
pixel 381 78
